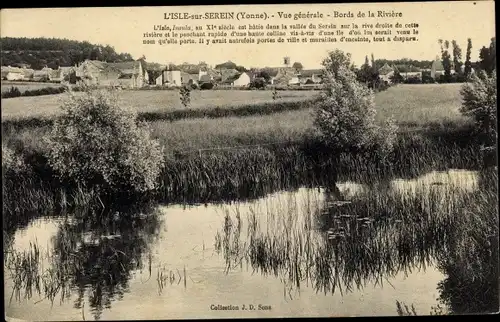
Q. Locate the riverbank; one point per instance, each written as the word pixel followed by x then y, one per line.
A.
pixel 254 147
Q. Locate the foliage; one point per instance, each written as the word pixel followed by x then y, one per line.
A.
pixel 11 161
pixel 427 78
pixel 207 85
pixel 345 117
pixel 185 95
pixel 297 66
pixel 480 102
pixel 96 144
pixel 258 83
pixel 468 64
pixel 275 94
pixel 15 92
pixel 12 92
pixel 52 52
pixel 487 56
pixel 457 57
pixel 396 78
pixel 446 59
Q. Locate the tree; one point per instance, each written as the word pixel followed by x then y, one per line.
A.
pixel 480 102
pixel 487 56
pixel 297 66
pixel 457 57
pixel 185 95
pixel 365 72
pixel 446 59
pixel 95 144
pixel 396 78
pixel 345 116
pixel 468 64
pixel 265 75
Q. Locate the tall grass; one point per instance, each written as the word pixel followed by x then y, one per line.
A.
pixel 372 237
pixel 247 172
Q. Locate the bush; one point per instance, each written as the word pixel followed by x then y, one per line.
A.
pixel 12 92
pixel 207 85
pixel 480 102
pixel 185 95
pixel 12 162
pixel 345 116
pixel 258 83
pixel 96 144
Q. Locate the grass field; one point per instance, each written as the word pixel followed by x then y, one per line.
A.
pixel 415 107
pixel 420 104
pixel 26 86
pixel 152 101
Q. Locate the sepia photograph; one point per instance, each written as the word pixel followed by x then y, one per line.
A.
pixel 249 161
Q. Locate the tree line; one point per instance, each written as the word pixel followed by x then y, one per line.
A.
pixel 37 53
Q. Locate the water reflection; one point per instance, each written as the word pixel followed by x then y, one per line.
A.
pixel 92 255
pixel 345 239
pixel 370 234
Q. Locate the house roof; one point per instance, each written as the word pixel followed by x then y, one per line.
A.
pixel 186 77
pixel 9 69
pixel 311 72
pixel 386 69
pixel 233 78
pixel 437 65
pixel 205 78
pixel 228 73
pixel 124 66
pixel 55 73
pixel 39 73
pixel 126 76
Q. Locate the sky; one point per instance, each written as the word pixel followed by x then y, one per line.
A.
pixel 123 28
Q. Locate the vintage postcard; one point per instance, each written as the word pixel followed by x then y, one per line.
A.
pixel 249 161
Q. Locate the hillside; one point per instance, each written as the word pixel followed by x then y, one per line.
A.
pixel 54 52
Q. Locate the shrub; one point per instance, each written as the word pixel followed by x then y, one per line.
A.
pixel 185 95
pixel 345 116
pixel 12 92
pixel 12 162
pixel 207 85
pixel 480 102
pixel 96 144
pixel 258 83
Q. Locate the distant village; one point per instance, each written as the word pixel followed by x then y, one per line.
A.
pixel 139 73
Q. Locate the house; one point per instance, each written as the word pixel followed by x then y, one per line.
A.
pixel 227 74
pixel 386 72
pixel 310 76
pixel 132 74
pixel 284 76
pixel 189 79
pixel 169 77
pixel 411 75
pixel 41 75
pixel 12 73
pixel 239 80
pixel 28 73
pixel 205 79
pixel 56 75
pixel 437 68
pixel 294 80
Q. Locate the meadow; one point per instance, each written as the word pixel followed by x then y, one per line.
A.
pixel 210 157
pixel 152 101
pixel 414 107
pixel 26 86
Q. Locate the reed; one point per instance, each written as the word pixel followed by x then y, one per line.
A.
pixel 372 237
